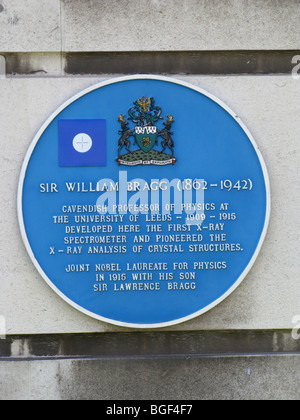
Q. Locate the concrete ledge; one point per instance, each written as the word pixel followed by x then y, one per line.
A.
pixel 151 62
pixel 181 62
pixel 213 378
pixel 149 345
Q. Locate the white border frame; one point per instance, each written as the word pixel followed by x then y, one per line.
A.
pixel 23 174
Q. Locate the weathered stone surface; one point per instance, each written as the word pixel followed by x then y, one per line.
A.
pixel 180 25
pixel 243 378
pixel 31 25
pixel 148 25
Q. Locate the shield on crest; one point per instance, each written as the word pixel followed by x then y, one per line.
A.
pixel 146 137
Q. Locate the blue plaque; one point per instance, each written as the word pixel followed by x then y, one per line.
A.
pixel 143 201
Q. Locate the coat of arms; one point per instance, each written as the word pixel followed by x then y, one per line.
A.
pixel 145 114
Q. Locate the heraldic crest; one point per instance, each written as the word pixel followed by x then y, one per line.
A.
pixel 145 114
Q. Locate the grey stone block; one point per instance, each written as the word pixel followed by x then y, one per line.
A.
pixel 14 381
pixel 30 25
pixel 232 378
pixel 148 25
pixel 187 379
pixel 180 25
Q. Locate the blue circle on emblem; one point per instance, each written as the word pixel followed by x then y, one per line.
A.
pixel 143 201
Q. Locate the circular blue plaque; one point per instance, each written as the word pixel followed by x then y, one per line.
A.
pixel 143 201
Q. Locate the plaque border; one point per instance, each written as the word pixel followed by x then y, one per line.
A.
pixel 31 150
